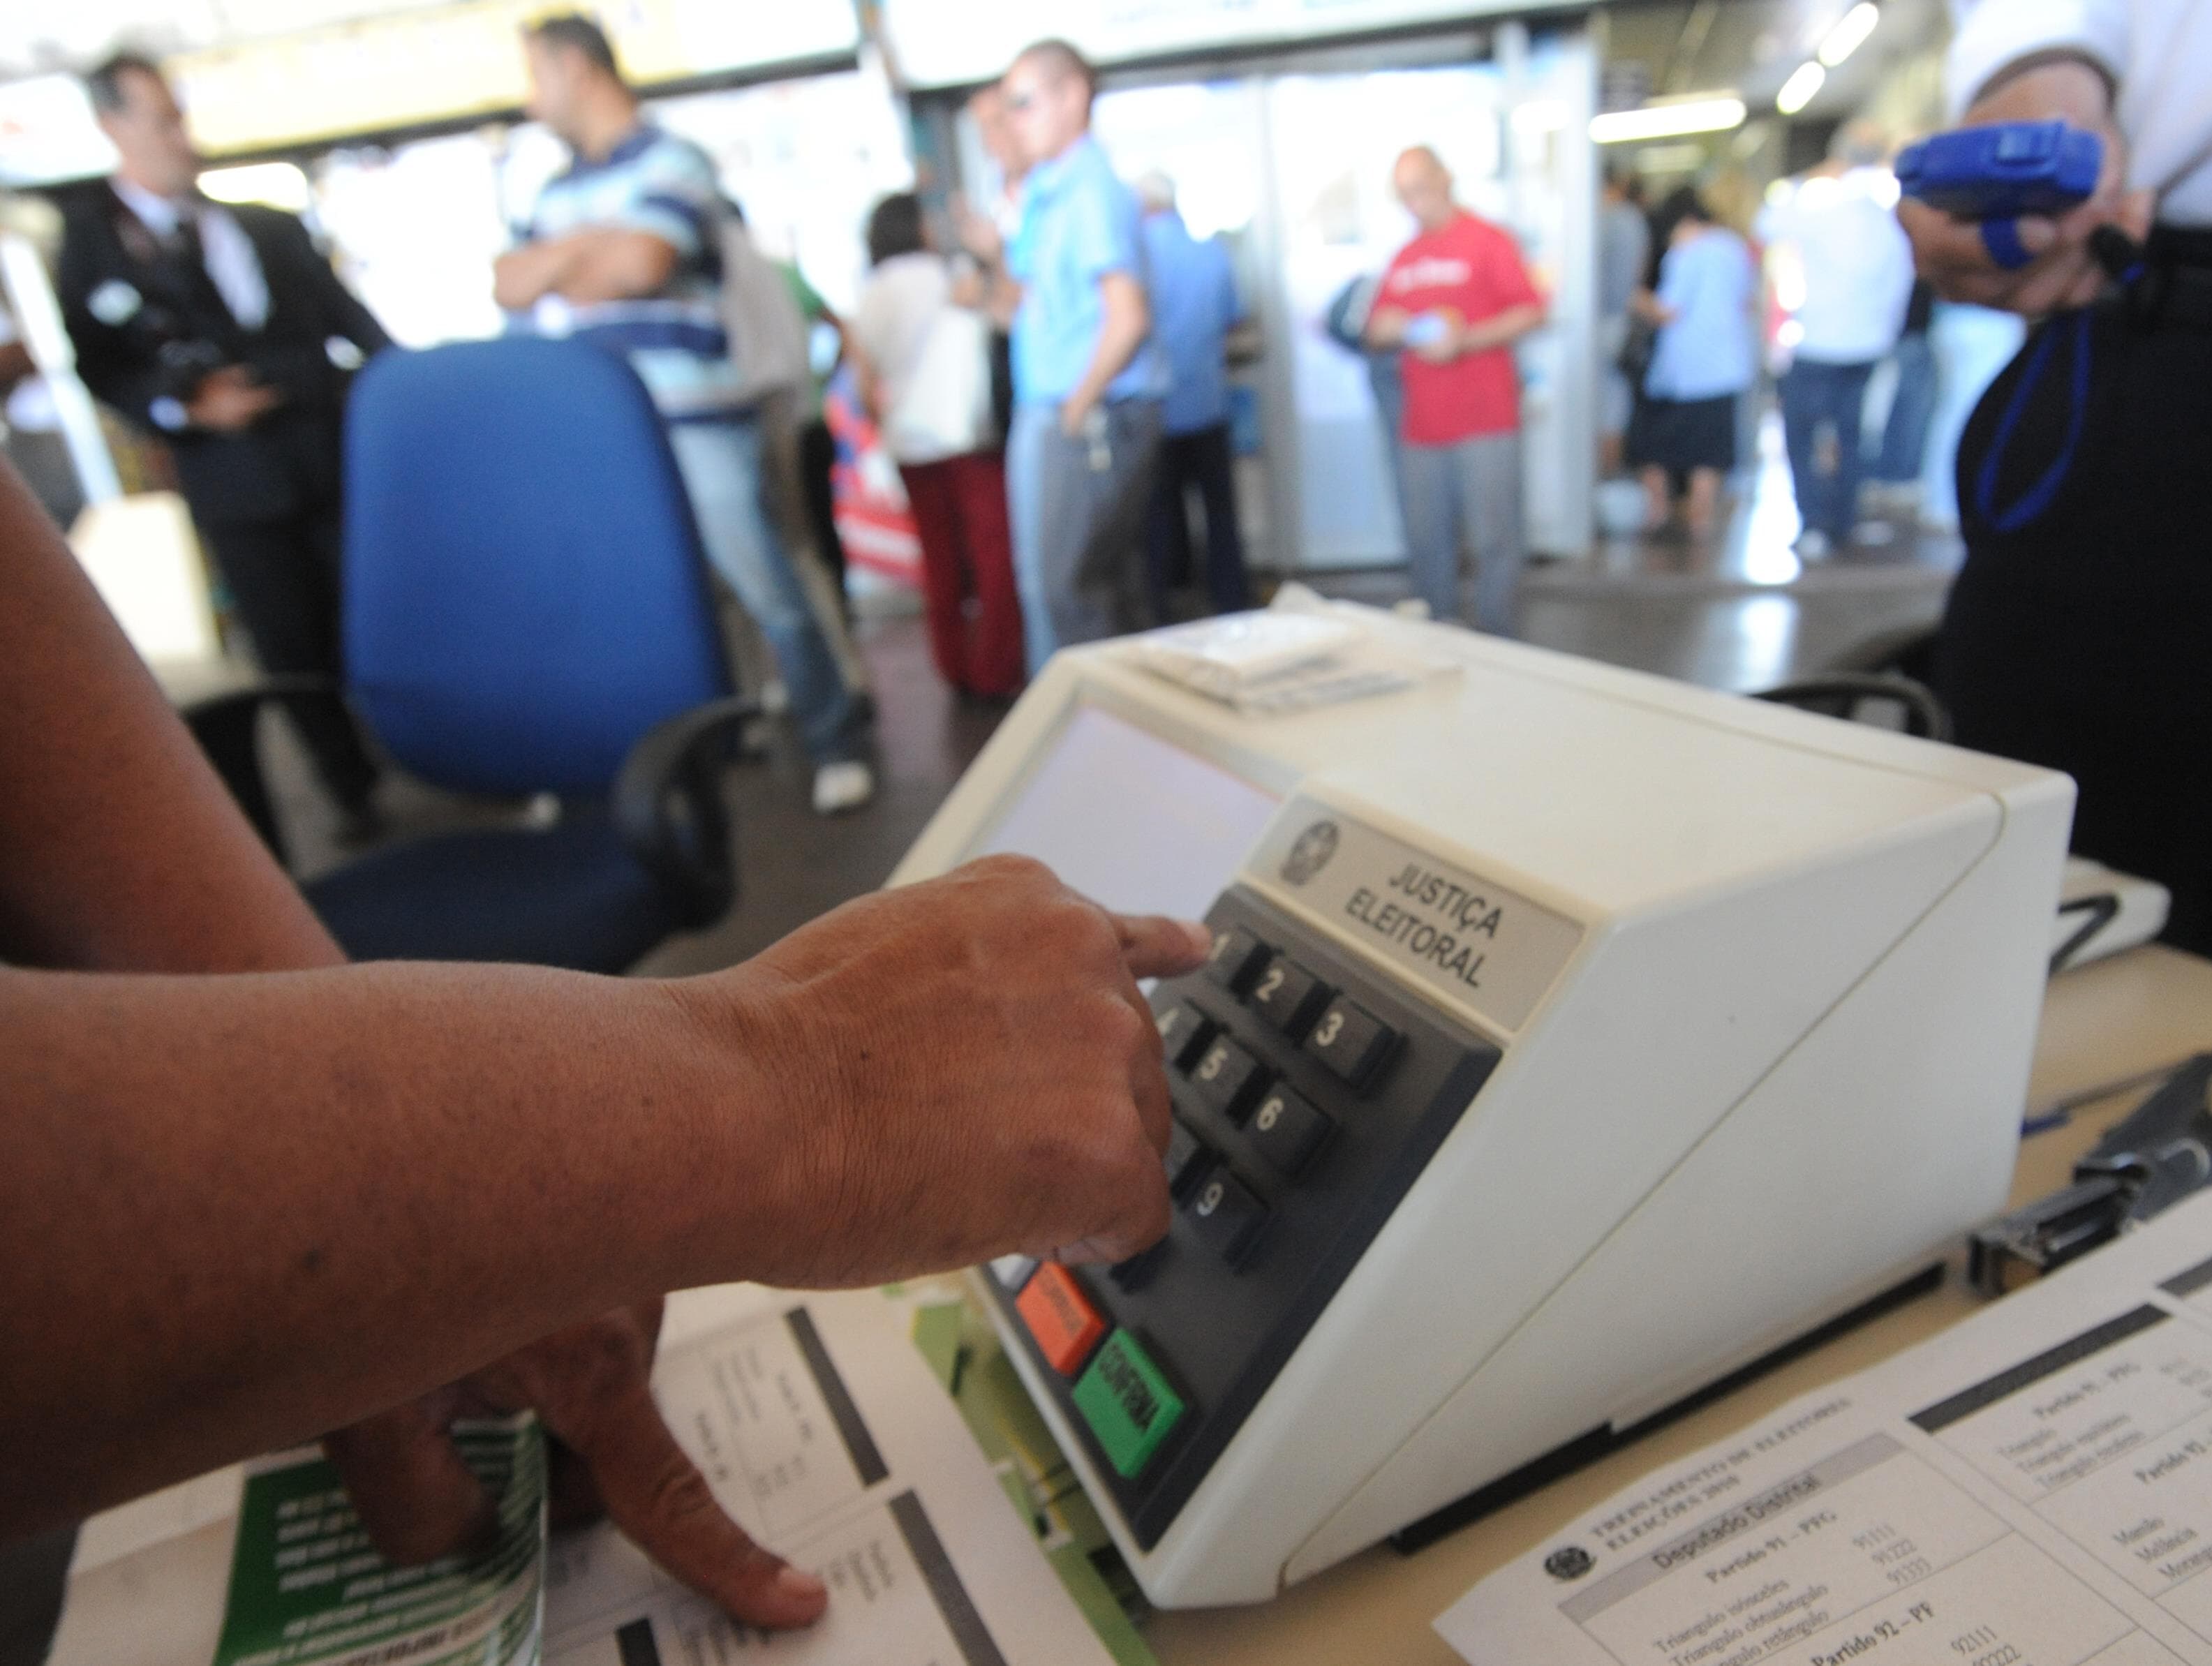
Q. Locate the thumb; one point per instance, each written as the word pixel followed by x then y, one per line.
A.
pixel 656 1494
pixel 1156 947
pixel 415 1497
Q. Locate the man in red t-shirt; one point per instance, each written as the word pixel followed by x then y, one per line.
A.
pixel 1454 303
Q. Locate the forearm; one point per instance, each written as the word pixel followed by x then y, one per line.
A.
pixel 119 847
pixel 611 264
pixel 259 1208
pixel 1503 331
pixel 1386 327
pixel 1124 321
pixel 1002 296
pixel 522 277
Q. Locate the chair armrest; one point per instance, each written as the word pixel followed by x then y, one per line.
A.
pixel 226 725
pixel 1840 694
pixel 668 807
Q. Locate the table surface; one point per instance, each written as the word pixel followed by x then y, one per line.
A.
pixel 2148 1008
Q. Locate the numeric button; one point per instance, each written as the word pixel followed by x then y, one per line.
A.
pixel 1226 1215
pixel 1228 1078
pixel 1186 1160
pixel 1235 957
pixel 1352 1041
pixel 1287 996
pixel 1287 1130
pixel 1183 1030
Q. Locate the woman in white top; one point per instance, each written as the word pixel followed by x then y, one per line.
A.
pixel 925 372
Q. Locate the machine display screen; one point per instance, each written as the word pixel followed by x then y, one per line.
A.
pixel 1131 822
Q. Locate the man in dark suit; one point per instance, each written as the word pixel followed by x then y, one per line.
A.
pixel 223 332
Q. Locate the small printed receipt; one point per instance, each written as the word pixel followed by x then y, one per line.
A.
pixel 2033 1487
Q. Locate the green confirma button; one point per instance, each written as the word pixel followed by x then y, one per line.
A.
pixel 1127 1403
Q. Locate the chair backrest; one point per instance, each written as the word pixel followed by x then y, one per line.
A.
pixel 524 591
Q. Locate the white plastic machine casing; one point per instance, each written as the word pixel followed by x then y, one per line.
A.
pixel 1783 1066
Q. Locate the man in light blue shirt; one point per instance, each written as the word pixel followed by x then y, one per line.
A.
pixel 1195 311
pixel 1070 284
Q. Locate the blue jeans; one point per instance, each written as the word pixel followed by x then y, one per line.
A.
pixel 721 462
pixel 1076 508
pixel 1905 440
pixel 1816 396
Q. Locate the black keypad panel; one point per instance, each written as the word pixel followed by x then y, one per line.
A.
pixel 1306 1106
pixel 1288 996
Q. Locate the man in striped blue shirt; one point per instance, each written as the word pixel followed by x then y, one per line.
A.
pixel 623 250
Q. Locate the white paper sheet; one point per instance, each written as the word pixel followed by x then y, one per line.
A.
pixel 824 1434
pixel 2033 1487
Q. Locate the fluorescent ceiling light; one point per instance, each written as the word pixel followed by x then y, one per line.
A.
pixel 1708 114
pixel 1850 33
pixel 1797 92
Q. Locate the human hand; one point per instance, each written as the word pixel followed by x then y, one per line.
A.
pixel 1075 412
pixel 1440 347
pixel 231 399
pixel 969 1068
pixel 1952 253
pixel 610 1454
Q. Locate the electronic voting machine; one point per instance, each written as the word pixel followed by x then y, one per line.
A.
pixel 1571 1038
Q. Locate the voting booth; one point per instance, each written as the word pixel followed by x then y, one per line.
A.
pixel 1572 1039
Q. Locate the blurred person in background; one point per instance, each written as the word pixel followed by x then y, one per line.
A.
pixel 1894 479
pixel 1088 379
pixel 2074 635
pixel 1199 321
pixel 1624 253
pixel 30 432
pixel 926 377
pixel 1684 431
pixel 1856 265
pixel 994 127
pixel 1453 303
pixel 222 331
pixel 621 251
pixel 818 447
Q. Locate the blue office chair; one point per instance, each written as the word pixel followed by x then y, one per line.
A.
pixel 527 610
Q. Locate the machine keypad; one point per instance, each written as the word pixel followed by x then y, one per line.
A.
pixel 1287 1130
pixel 1228 1078
pixel 1287 996
pixel 1183 1030
pixel 1352 1041
pixel 1305 1109
pixel 1234 959
pixel 1226 1215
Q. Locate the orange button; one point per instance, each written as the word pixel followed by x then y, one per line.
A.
pixel 1066 1326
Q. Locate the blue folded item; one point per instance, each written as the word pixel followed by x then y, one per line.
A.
pixel 2004 170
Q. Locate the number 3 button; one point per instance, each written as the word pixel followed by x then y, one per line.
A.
pixel 1287 1130
pixel 1352 1041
